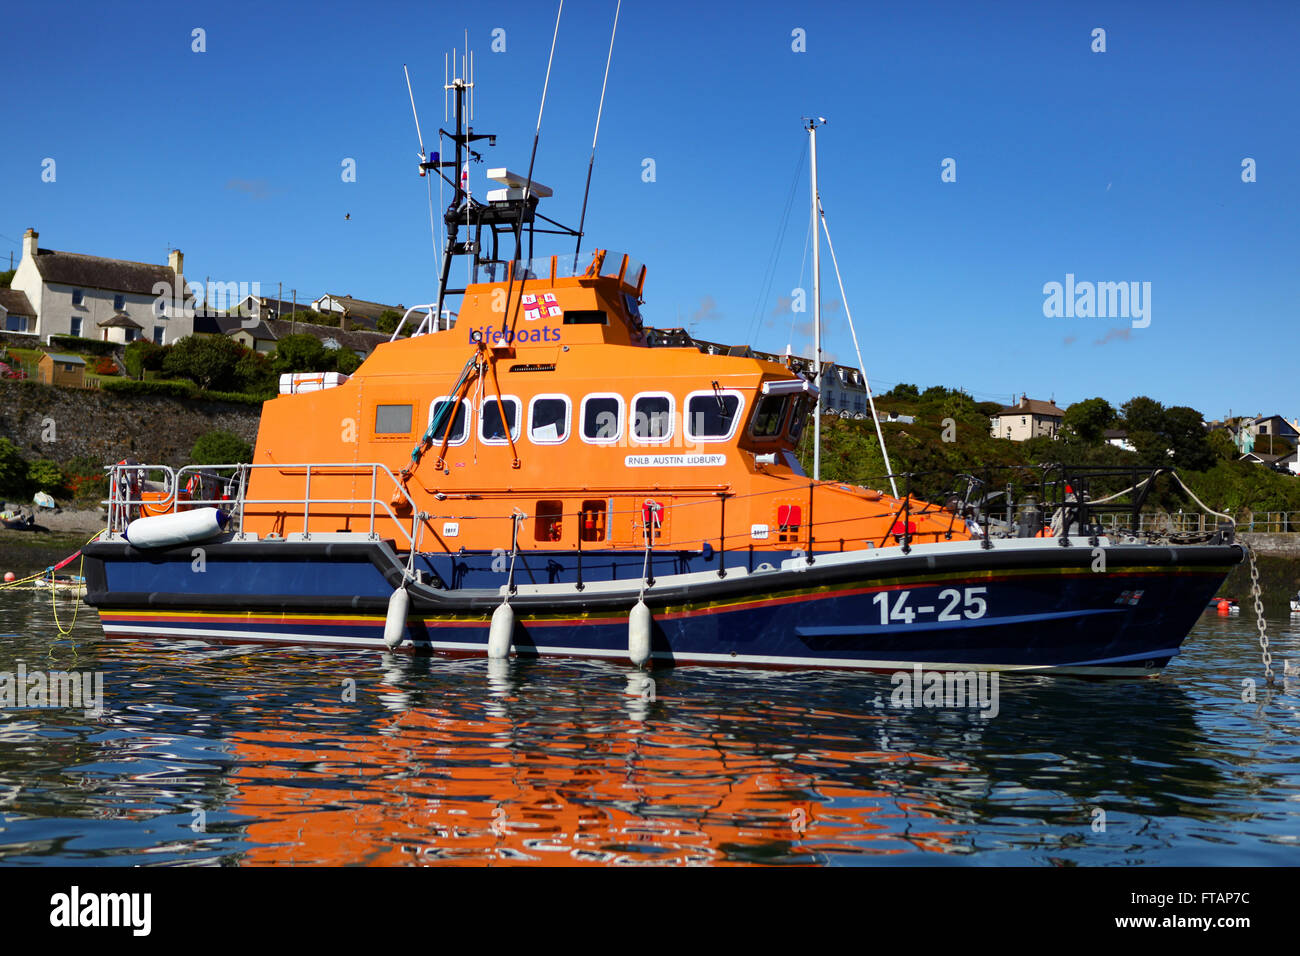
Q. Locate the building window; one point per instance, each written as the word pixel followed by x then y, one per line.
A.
pixel 490 426
pixel 77 296
pixel 119 302
pixel 74 327
pixel 158 335
pixel 130 335
pixel 548 419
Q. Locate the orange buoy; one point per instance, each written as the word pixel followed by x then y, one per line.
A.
pixel 9 575
pixel 1224 607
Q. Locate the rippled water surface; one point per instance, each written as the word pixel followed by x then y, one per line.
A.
pixel 237 755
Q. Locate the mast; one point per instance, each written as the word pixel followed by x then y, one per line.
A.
pixel 813 123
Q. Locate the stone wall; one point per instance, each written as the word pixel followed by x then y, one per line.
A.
pixel 1280 545
pixel 101 426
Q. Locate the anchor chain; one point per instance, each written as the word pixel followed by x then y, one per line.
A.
pixel 1259 616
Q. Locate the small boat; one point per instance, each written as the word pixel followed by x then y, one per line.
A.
pixel 537 473
pixel 1295 604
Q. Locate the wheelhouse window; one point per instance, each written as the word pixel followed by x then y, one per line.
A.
pixel 602 418
pixel 799 417
pixel 548 419
pixel 392 419
pixel 712 415
pixel 491 427
pixel 459 424
pixel 652 417
pixel 769 415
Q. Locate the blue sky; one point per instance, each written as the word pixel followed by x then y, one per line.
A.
pixel 1117 166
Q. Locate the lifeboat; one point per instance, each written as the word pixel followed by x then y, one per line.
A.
pixel 543 474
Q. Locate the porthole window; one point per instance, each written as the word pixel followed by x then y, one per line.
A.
pixel 602 418
pixel 491 428
pixel 459 426
pixel 652 417
pixel 712 415
pixel 548 419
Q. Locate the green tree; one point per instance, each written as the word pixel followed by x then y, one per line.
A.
pixel 903 391
pixel 1088 420
pixel 142 355
pixel 207 360
pixel 6 277
pixel 219 447
pixel 301 353
pixel 45 475
pixel 345 360
pixel 1142 414
pixel 13 469
pixel 387 322
pixel 253 374
pixel 1185 431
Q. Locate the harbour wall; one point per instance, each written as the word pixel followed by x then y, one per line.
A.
pixel 51 421
pixel 1276 545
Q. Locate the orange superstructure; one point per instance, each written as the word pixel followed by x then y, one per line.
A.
pixel 566 415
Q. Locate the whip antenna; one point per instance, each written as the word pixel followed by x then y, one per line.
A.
pixel 528 186
pixel 418 134
pixel 600 109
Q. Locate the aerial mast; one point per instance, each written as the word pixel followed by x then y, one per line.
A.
pixel 813 123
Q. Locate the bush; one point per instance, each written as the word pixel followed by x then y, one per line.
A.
pixel 253 374
pixel 312 318
pixel 45 475
pixel 144 356
pixel 104 366
pixel 127 386
pixel 13 469
pixel 85 479
pixel 74 343
pixel 207 360
pixel 219 447
pixel 240 398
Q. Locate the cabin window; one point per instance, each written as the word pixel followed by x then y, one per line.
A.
pixel 799 417
pixel 652 417
pixel 548 419
pixel 712 415
pixel 602 418
pixel 490 426
pixel 585 317
pixel 392 419
pixel 592 521
pixel 768 415
pixel 459 426
pixel 549 523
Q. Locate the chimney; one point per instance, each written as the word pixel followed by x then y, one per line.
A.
pixel 29 243
pixel 344 324
pixel 176 260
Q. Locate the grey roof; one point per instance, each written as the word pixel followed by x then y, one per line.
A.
pixel 16 302
pixel 65 357
pixel 355 339
pixel 362 308
pixel 1032 406
pixel 115 275
pixel 261 332
pixel 119 321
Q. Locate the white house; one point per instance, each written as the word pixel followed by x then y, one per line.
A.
pixel 114 300
pixel 361 313
pixel 1029 418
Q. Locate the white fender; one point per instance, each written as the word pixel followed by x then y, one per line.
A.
pixel 162 531
pixel 395 624
pixel 638 633
pixel 502 631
